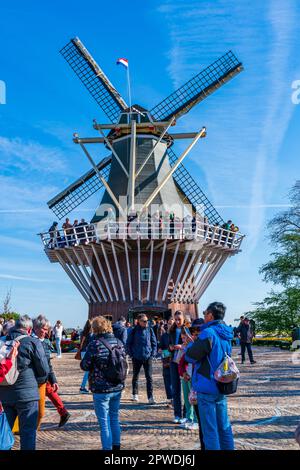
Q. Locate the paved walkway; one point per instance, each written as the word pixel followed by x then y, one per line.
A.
pixel 264 412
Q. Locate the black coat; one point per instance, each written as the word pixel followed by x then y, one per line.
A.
pixel 33 368
pixel 245 332
pixel 141 343
pixel 95 358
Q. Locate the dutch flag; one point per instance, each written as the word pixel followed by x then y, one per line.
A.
pixel 123 62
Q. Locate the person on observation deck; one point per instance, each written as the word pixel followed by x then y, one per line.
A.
pixel 141 346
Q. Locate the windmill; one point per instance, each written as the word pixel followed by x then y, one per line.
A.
pixel 134 256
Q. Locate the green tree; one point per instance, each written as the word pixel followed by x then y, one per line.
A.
pixel 7 313
pixel 280 311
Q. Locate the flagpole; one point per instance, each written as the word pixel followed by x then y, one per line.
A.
pixel 129 90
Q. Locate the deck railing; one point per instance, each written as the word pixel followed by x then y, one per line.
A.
pixel 197 231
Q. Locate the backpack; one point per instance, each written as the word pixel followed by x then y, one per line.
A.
pixel 12 375
pixel 115 371
pixel 226 375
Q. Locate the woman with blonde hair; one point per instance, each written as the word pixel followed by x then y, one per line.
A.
pixel 106 387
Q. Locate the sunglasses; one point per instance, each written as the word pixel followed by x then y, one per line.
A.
pixel 144 321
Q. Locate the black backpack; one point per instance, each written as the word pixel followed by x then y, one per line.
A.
pixel 115 370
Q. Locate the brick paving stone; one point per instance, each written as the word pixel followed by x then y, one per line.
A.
pixel 264 413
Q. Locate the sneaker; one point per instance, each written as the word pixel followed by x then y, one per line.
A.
pixel 135 398
pixel 176 420
pixel 183 420
pixel 253 362
pixel 151 401
pixel 83 390
pixel 191 426
pixel 64 419
pixel 58 357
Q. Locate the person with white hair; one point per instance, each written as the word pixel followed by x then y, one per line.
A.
pixel 22 398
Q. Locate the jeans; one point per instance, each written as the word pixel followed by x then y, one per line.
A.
pixel 176 388
pixel 196 411
pixel 107 407
pixel 57 344
pixel 27 413
pixel 136 366
pixel 167 381
pixel 249 350
pixel 85 375
pixel 215 424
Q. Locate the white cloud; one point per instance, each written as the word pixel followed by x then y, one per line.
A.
pixel 29 156
pixel 246 119
pixel 24 278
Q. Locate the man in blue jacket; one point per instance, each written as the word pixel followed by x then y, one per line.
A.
pixel 141 346
pixel 207 353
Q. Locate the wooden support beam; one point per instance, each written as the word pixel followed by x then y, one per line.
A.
pixel 105 184
pixel 150 268
pixel 171 270
pixel 78 274
pixel 173 169
pixel 88 276
pixel 128 270
pixel 160 270
pixel 102 271
pixel 65 267
pixel 118 269
pixel 95 274
pixel 109 271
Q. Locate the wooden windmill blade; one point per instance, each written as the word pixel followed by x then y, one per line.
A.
pixel 94 79
pixel 198 88
pixel 77 192
pixel 191 191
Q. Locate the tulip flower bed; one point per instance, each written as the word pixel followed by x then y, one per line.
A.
pixel 68 345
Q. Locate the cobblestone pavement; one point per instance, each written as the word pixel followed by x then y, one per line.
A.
pixel 264 413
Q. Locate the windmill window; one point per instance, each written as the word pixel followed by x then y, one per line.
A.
pixel 146 274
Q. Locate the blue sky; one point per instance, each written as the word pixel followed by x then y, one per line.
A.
pixel 246 165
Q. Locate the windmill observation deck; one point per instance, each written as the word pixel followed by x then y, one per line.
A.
pixel 117 263
pixel 155 241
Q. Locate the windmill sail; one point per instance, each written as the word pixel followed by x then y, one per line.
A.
pixel 80 190
pixel 94 79
pixel 198 88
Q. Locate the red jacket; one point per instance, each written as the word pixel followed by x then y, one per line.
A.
pixel 5 366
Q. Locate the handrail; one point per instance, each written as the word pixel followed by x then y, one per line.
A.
pixel 143 230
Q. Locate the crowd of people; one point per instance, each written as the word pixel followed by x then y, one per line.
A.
pixel 190 352
pixel 155 226
pixel 23 398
